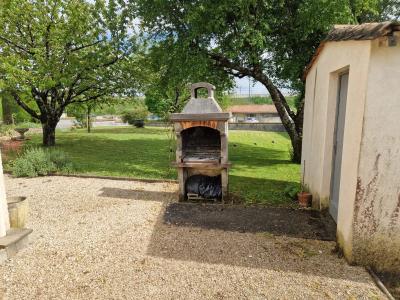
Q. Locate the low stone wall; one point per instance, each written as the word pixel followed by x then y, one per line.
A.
pixel 157 124
pixel 276 127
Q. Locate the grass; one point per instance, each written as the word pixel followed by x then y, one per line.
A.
pixel 261 162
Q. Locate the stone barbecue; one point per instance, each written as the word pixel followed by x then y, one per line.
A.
pixel 202 147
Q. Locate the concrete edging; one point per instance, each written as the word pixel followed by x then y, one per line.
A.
pixel 115 178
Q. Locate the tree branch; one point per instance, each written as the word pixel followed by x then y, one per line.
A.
pixel 277 98
pixel 24 105
pixel 287 107
pixel 86 46
pixel 16 45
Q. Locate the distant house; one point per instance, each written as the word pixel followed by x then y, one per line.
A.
pixel 262 113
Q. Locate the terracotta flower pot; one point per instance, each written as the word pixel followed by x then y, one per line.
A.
pixel 304 199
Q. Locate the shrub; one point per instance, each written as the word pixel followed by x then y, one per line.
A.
pixel 37 161
pixel 59 159
pixel 6 130
pixel 28 125
pixel 291 190
pixel 33 162
pixel 23 168
pixel 135 117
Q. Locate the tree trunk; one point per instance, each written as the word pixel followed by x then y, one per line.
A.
pixel 49 133
pixel 293 122
pixel 296 145
pixel 296 140
pixel 88 125
pixel 7 108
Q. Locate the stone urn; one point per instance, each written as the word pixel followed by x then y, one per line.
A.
pixel 21 132
pixel 18 211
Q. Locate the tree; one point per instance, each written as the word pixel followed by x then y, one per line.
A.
pixel 6 103
pixel 55 53
pixel 170 69
pixel 269 41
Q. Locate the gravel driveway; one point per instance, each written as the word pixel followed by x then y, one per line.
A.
pixel 107 239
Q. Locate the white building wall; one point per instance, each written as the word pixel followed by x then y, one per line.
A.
pixel 377 207
pixel 320 112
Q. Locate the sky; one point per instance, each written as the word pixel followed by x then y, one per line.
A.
pixel 242 87
pixel 256 88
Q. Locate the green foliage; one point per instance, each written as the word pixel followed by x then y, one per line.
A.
pixel 118 105
pixel 269 41
pixel 23 168
pixel 33 162
pixel 79 112
pixel 135 117
pixel 6 130
pixel 28 125
pixel 60 160
pixel 291 190
pixel 38 161
pixel 11 112
pixel 248 33
pixel 59 52
pixel 170 69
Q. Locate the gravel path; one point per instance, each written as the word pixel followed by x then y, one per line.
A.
pixel 106 239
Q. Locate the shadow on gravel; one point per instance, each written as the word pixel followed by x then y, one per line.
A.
pixel 279 239
pixel 135 194
pixel 305 224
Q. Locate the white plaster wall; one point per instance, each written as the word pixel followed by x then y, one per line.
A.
pixel 377 208
pixel 4 220
pixel 320 109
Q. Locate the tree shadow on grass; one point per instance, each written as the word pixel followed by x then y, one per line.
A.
pixel 139 156
pixel 131 130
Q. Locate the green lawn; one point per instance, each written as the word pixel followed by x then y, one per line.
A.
pixel 261 165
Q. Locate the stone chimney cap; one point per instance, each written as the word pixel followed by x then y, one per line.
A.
pixel 200 85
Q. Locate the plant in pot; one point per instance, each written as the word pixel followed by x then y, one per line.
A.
pixel 304 197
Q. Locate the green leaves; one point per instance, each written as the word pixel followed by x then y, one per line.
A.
pixel 279 36
pixel 66 51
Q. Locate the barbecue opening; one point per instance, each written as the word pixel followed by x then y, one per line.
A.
pixel 201 144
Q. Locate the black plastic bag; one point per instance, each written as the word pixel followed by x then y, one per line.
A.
pixel 207 187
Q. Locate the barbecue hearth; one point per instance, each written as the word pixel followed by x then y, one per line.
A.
pixel 202 146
